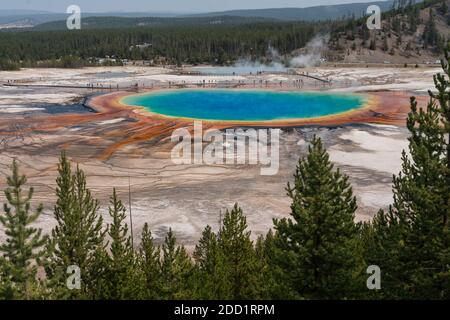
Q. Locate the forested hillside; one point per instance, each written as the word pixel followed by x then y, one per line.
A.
pixel 410 33
pixel 217 44
pixel 324 12
pixel 56 21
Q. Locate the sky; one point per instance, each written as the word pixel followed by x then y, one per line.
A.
pixel 178 6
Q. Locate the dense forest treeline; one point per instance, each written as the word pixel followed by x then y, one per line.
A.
pixel 171 45
pixel 319 252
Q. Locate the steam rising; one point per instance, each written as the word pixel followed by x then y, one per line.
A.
pixel 311 55
pixel 313 52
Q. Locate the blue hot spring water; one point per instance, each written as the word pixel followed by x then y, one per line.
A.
pixel 245 105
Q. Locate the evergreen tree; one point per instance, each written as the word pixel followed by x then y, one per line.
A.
pixel 242 263
pixel 22 250
pixel 264 249
pixel 77 239
pixel 413 19
pixel 373 43
pixel 416 226
pixel 317 250
pixel 122 278
pixel 6 287
pixel 213 277
pixel 383 245
pixel 149 255
pixel 430 33
pixel 8 65
pixel 176 270
pixel 444 7
pixel 385 45
pixel 396 24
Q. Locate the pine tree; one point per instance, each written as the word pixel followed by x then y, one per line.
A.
pixel 122 278
pixel 264 249
pixel 383 246
pixel 317 249
pixel 149 256
pixel 421 209
pixel 213 277
pixel 373 43
pixel 22 250
pixel 176 270
pixel 413 19
pixel 6 287
pixel 385 44
pixel 234 241
pixel 430 33
pixel 77 239
pixel 444 7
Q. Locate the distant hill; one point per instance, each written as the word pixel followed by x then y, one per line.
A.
pixel 326 12
pixel 41 20
pixel 127 20
pixel 30 18
pixel 154 22
pixel 19 12
pixel 410 34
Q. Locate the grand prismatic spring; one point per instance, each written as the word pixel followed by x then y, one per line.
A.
pixel 245 105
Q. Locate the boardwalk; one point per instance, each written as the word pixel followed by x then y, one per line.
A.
pixel 295 81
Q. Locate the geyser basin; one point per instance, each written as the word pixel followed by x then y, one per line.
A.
pixel 245 105
pixel 241 69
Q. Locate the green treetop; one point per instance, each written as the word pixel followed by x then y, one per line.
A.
pixel 78 238
pixel 317 249
pixel 21 252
